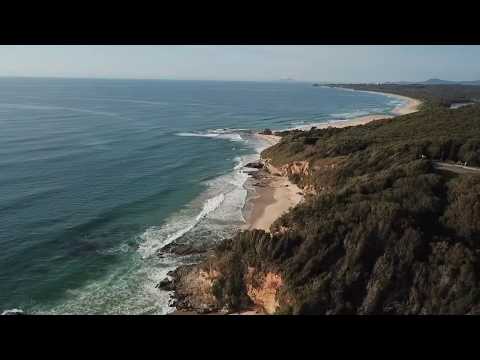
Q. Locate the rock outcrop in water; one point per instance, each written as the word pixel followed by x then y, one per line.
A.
pixel 184 249
pixel 266 132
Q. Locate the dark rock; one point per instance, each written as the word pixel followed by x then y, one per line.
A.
pixel 183 249
pixel 255 165
pixel 188 295
pixel 166 284
pixel 267 132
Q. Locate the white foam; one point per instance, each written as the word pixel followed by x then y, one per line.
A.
pixel 337 118
pixel 350 115
pixel 239 163
pixel 130 289
pixel 12 312
pixel 187 134
pixel 235 195
pixel 45 107
pixel 224 134
pixel 225 196
pixel 225 193
pixel 155 238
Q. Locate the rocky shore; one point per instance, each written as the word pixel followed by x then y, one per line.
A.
pixel 200 288
pixel 379 229
pixel 193 286
pixel 217 285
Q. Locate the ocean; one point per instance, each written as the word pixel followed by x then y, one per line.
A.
pixel 96 176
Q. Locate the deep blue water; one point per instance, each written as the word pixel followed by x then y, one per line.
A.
pixel 97 175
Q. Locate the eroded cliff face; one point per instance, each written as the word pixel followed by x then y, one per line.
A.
pixel 202 290
pixel 351 278
pixel 300 173
pixel 263 289
pixel 313 177
pixel 235 277
pixel 299 168
pixel 193 288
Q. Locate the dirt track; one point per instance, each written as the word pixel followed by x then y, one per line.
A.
pixel 459 169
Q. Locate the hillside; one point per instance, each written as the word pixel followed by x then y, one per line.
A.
pixel 449 82
pixel 434 81
pixel 382 230
pixel 434 95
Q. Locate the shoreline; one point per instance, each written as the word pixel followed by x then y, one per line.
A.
pixel 270 194
pixel 273 194
pixel 411 106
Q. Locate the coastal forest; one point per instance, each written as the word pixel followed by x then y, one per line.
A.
pixel 384 227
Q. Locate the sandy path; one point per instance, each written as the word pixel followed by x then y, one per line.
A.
pixel 459 169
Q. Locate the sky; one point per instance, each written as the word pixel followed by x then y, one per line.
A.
pixel 341 63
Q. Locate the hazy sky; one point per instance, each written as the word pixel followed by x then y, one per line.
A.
pixel 233 62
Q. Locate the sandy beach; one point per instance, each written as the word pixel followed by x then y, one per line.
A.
pixel 274 194
pixel 411 106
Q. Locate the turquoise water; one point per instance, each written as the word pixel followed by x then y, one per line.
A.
pixel 97 175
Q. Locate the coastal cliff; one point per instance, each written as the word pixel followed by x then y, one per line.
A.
pixel 384 230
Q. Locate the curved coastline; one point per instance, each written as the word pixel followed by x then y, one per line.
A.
pixel 277 194
pixel 410 106
pixel 271 194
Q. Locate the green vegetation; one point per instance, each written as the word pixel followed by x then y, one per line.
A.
pixel 438 133
pixel 385 232
pixel 432 95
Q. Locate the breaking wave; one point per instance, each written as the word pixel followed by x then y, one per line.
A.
pixel 226 134
pixel 156 238
pixel 351 115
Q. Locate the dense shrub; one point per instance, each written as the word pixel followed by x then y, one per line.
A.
pixel 391 234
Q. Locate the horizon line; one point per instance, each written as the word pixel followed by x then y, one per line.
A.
pixel 287 80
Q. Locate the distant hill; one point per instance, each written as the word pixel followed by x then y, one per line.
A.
pixel 435 81
pixel 438 82
pixel 444 95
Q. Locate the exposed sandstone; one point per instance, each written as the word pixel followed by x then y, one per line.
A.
pixel 263 289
